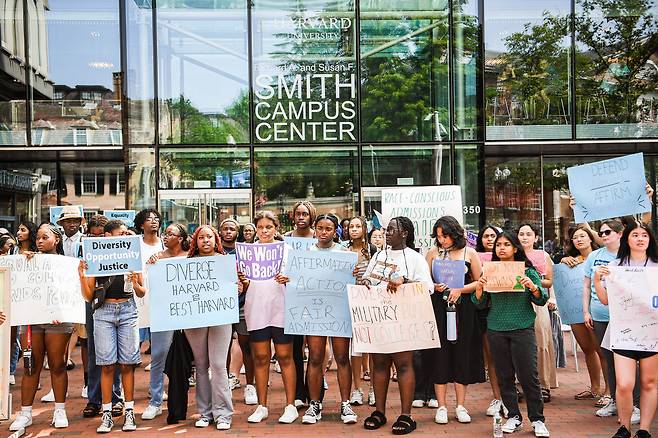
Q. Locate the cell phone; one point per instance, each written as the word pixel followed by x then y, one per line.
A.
pixel 27 361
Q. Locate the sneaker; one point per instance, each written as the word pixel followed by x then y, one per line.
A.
pixel 325 383
pixel 48 398
pixel 494 407
pixel 622 432
pixel 21 422
pixel 441 416
pixel 512 425
pixel 540 429
pixel 289 415
pixel 313 414
pixel 462 414
pixel 233 382
pixel 223 425
pixel 371 397
pixel 298 403
pixel 357 397
pixel 147 367
pixel 84 391
pixel 433 403
pixel 192 379
pixel 635 416
pixel 608 410
pixel 106 423
pixel 12 379
pixel 165 397
pixel 259 415
pixel 642 434
pixel 347 414
pixel 202 422
pixel 151 412
pixel 129 421
pixel 277 367
pixel 59 419
pixel 417 403
pixel 250 396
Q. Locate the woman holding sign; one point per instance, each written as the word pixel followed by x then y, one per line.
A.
pixel 638 247
pixel 458 361
pixel 511 332
pixel 394 266
pixel 42 340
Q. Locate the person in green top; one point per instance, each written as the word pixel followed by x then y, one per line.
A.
pixel 511 334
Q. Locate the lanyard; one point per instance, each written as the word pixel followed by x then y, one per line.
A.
pixel 29 337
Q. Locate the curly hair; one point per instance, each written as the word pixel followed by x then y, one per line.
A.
pixel 449 227
pixel 365 243
pixel 194 248
pixel 141 217
pixel 97 220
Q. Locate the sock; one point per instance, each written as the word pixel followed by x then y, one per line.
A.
pixel 107 407
pixel 26 410
pixel 129 404
pixel 60 406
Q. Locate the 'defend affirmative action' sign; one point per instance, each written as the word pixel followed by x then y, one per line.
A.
pixel 112 255
pixel 260 261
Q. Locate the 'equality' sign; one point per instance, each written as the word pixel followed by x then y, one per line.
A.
pixel 568 288
pixel 504 276
pixel 449 272
pixel 260 261
pixel 112 255
pixel 316 295
pixel 193 292
pixel 126 216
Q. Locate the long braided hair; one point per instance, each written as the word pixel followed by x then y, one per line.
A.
pixel 405 224
pixel 365 244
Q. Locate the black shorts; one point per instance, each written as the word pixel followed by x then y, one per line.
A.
pixel 636 355
pixel 275 334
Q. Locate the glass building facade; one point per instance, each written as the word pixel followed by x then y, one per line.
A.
pixel 212 108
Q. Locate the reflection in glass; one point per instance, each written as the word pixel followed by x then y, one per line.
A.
pixel 32 186
pixel 617 69
pixel 76 87
pixel 95 186
pixel 204 168
pixel 324 176
pixel 467 175
pixel 527 69
pixel 404 61
pixel 304 71
pixel 12 75
pixel 141 178
pixel 466 31
pixel 405 165
pixel 203 75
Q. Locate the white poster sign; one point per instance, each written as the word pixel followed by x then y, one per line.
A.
pixel 5 340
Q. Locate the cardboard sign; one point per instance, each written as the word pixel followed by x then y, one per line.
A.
pixel 450 272
pixel 568 288
pixel 316 295
pixel 258 261
pixel 44 289
pixel 300 243
pixel 504 276
pixel 193 292
pixel 107 256
pixel 56 211
pixel 384 322
pixel 609 188
pixel 5 343
pixel 538 259
pixel 126 216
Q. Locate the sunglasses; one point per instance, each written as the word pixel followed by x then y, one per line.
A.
pixel 604 233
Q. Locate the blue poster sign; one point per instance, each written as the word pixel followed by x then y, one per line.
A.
pixel 316 295
pixel 56 211
pixel 126 216
pixel 112 255
pixel 301 243
pixel 568 288
pixel 450 272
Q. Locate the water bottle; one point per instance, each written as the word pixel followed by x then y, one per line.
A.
pixel 497 425
pixel 451 323
pixel 128 286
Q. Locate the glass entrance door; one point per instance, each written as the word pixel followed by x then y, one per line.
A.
pixel 192 208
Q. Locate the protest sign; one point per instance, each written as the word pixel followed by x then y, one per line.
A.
pixel 5 341
pixel 609 188
pixel 56 211
pixel 301 243
pixel 112 255
pixel 450 272
pixel 143 310
pixel 471 239
pixel 568 288
pixel 423 205
pixel 316 295
pixel 384 322
pixel 484 257
pixel 538 259
pixel 504 276
pixel 258 261
pixel 633 304
pixel 126 216
pixel 44 289
pixel 193 292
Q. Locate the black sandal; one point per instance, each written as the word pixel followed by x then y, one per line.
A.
pixel 91 411
pixel 546 395
pixel 403 425
pixel 376 420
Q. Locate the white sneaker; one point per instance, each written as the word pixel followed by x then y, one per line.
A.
pixel 494 407
pixel 512 425
pixel 635 416
pixel 347 414
pixel 151 412
pixel 540 429
pixel 202 422
pixel 325 384
pixel 433 403
pixel 462 414
pixel 298 403
pixel 165 397
pixel 417 404
pixel 259 415
pixel 233 382
pixel 289 415
pixel 129 423
pixel 277 367
pixel 357 397
pixel 147 367
pixel 371 397
pixel 608 410
pixel 106 423
pixel 441 416
pixel 223 426
pixel 59 419
pixel 12 379
pixel 250 396
pixel 313 414
pixel 84 391
pixel 48 398
pixel 21 422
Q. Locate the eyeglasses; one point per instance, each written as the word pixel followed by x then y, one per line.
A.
pixel 153 219
pixel 604 233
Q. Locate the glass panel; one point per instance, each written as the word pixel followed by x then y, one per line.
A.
pixel 466 31
pixel 617 86
pixel 92 185
pixel 304 71
pixel 405 165
pixel 203 76
pixel 227 204
pixel 139 74
pixel 141 178
pixel 75 51
pixel 185 211
pixel 527 71
pixel 327 177
pixel 404 61
pixel 204 168
pixel 35 187
pixel 467 173
pixel 513 192
pixel 12 75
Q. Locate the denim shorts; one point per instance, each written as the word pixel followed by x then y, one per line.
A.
pixel 116 333
pixel 63 328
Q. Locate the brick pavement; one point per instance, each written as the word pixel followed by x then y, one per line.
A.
pixel 565 417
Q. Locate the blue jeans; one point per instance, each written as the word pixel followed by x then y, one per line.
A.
pixel 160 343
pixel 94 371
pixel 116 333
pixel 15 351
